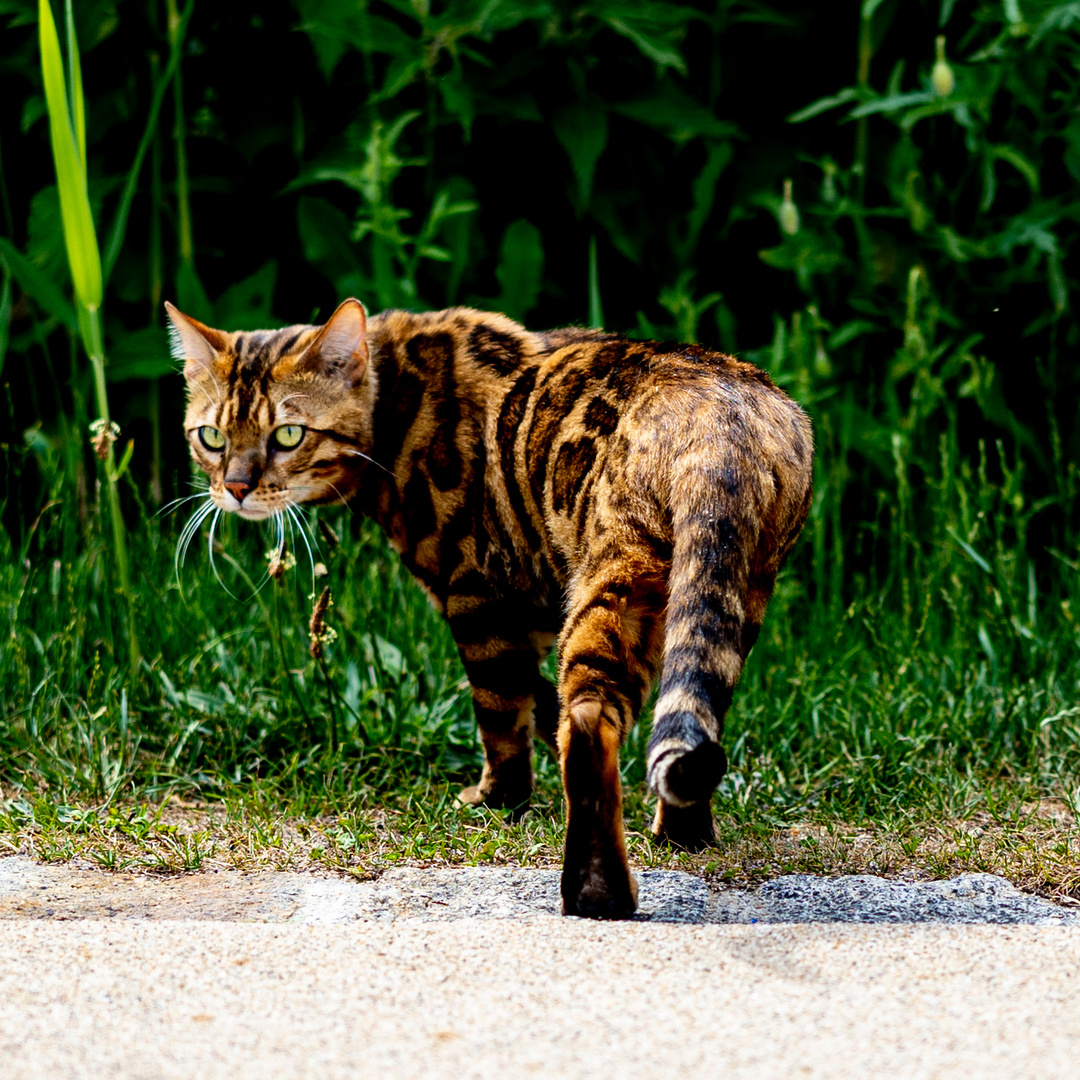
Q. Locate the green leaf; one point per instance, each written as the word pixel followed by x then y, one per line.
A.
pixel 823 105
pixel 521 269
pixel 324 233
pixel 656 46
pixel 125 461
pixel 37 285
pixel 893 103
pixel 5 318
pixel 141 354
pixel 79 236
pixel 1020 163
pixel 191 296
pixel 247 303
pixel 75 89
pixel 582 130
pixel 677 114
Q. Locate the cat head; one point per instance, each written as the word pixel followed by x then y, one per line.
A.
pixel 277 417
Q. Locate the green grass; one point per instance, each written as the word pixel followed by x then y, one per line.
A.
pixel 924 735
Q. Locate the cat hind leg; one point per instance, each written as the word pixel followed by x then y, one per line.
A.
pixel 609 653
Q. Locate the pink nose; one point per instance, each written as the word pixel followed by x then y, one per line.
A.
pixel 238 488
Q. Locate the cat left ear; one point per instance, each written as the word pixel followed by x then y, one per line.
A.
pixel 341 347
pixel 196 345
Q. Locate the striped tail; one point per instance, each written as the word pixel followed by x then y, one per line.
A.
pixel 716 532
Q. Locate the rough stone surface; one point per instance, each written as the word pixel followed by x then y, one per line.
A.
pixel 32 891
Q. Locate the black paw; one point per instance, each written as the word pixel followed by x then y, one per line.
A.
pixel 687 827
pixel 593 896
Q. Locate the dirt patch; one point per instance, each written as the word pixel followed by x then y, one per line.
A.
pixel 32 891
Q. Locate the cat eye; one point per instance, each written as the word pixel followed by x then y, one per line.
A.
pixel 211 438
pixel 288 437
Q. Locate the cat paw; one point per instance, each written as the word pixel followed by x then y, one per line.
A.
pixel 496 798
pixel 506 785
pixel 687 827
pixel 595 895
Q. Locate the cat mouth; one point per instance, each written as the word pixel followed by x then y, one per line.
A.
pixel 247 509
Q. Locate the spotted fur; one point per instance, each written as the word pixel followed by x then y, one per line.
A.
pixel 634 498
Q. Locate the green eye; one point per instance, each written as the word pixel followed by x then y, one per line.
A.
pixel 211 438
pixel 289 436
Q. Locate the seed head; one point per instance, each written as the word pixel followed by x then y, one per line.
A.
pixel 789 212
pixel 321 634
pixel 942 78
pixel 280 560
pixel 102 437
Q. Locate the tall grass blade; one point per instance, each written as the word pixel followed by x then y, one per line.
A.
pixel 75 90
pixel 79 236
pixel 596 312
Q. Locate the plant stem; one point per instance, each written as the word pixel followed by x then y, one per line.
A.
pixel 187 245
pixel 156 283
pixel 97 363
pixel 863 80
pixel 596 313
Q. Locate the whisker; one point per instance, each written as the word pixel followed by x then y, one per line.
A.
pixel 294 518
pixel 183 499
pixel 186 535
pixel 190 529
pixel 210 548
pixel 213 379
pixel 340 496
pixel 356 453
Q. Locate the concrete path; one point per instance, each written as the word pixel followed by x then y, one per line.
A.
pixel 470 974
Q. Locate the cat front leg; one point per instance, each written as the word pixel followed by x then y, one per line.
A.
pixel 512 701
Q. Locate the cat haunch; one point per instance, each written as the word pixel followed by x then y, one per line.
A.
pixel 634 499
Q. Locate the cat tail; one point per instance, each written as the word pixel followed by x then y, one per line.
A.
pixel 716 528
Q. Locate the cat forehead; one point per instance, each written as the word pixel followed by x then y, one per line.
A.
pixel 250 353
pixel 260 350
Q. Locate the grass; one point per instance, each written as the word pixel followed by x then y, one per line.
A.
pixel 927 740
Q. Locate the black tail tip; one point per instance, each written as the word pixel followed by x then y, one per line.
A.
pixel 683 775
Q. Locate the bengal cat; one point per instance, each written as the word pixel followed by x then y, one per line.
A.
pixel 633 498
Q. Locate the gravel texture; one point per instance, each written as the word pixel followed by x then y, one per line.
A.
pixel 30 890
pixel 473 974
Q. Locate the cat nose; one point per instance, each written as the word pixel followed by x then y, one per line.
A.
pixel 238 488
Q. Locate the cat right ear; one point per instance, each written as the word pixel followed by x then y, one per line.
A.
pixel 341 347
pixel 196 345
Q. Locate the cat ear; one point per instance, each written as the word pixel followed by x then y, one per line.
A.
pixel 197 345
pixel 341 347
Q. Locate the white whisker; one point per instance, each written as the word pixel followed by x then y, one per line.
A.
pixel 186 535
pixel 213 379
pixel 340 496
pixel 356 453
pixel 294 518
pixel 210 548
pixel 177 502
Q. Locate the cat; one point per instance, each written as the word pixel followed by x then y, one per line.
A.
pixel 632 499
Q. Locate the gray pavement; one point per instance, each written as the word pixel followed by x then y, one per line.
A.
pixel 471 973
